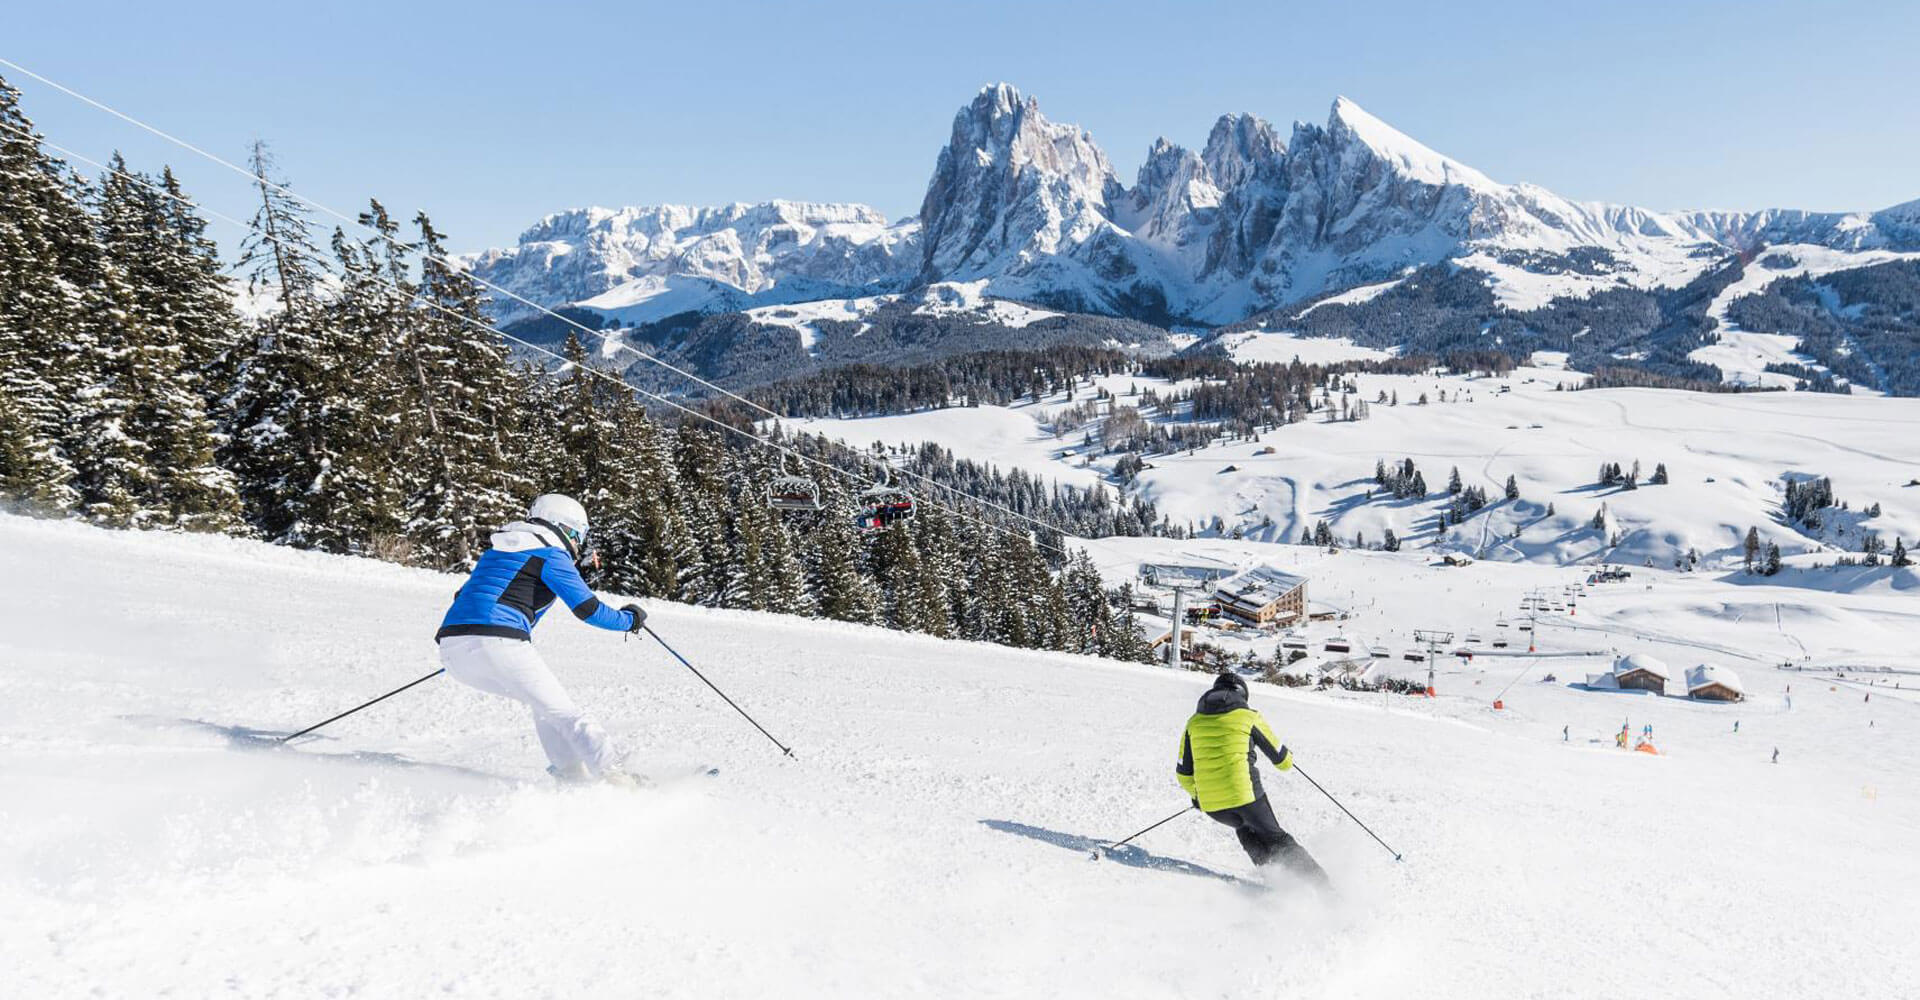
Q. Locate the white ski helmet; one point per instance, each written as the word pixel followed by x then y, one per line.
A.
pixel 563 512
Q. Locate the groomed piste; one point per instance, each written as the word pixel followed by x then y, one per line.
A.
pixel 931 839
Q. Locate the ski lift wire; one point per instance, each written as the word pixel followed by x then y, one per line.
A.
pixel 615 342
pixel 599 373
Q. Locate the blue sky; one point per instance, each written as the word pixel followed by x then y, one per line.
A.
pixel 490 114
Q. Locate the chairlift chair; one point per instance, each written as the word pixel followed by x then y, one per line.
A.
pixel 794 493
pixel 883 506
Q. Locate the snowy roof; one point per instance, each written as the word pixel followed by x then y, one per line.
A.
pixel 1640 661
pixel 1705 674
pixel 1259 586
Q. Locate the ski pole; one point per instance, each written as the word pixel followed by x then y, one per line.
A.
pixel 785 749
pixel 1349 812
pixel 357 708
pixel 1156 826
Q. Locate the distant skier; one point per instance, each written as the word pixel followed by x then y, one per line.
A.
pixel 1776 755
pixel 486 637
pixel 1217 770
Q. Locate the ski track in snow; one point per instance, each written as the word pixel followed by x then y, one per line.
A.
pixel 930 840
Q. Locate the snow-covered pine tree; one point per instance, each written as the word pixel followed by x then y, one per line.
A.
pixel 340 489
pixel 421 407
pixel 707 511
pixel 901 577
pixel 281 372
pixel 833 559
pixel 1090 614
pixel 105 437
pixel 939 574
pixel 747 529
pixel 1453 482
pixel 1513 488
pixel 659 531
pixel 48 257
pixel 466 389
pixel 176 339
pixel 278 255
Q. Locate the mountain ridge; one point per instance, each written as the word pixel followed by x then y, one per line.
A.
pixel 1249 223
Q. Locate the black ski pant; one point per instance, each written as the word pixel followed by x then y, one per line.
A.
pixel 1265 842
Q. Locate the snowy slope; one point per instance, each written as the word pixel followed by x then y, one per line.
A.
pixel 1728 457
pixel 929 841
pixel 1742 355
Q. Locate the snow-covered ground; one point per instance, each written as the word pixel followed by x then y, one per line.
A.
pixel 932 837
pixel 1009 437
pixel 801 316
pixel 1727 456
pixel 1279 347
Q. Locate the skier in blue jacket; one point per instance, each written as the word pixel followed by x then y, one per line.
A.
pixel 486 637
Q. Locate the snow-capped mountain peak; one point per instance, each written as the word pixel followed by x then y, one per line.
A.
pixel 645 263
pixel 1348 121
pixel 1251 222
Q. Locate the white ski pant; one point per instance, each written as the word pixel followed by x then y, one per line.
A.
pixel 512 668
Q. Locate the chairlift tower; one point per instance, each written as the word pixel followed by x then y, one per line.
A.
pixel 1173 633
pixel 1434 639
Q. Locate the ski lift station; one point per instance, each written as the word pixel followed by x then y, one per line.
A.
pixel 1263 596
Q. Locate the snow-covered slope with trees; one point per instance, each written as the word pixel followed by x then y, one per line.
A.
pixel 1255 220
pixel 1727 460
pixel 932 837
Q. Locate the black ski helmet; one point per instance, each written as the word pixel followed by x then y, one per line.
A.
pixel 1229 680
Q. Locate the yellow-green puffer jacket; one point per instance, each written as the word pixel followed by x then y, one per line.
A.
pixel 1216 751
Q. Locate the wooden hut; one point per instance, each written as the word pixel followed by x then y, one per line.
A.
pixel 1640 672
pixel 1712 682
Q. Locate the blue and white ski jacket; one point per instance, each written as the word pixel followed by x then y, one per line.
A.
pixel 515 582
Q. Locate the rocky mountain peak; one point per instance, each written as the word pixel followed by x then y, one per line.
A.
pixel 1011 187
pixel 1242 149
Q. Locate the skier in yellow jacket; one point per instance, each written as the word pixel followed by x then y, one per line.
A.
pixel 1217 770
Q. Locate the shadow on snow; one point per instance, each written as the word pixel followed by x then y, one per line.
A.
pixel 1131 856
pixel 248 738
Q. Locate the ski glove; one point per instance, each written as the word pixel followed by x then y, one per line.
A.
pixel 639 617
pixel 1286 760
